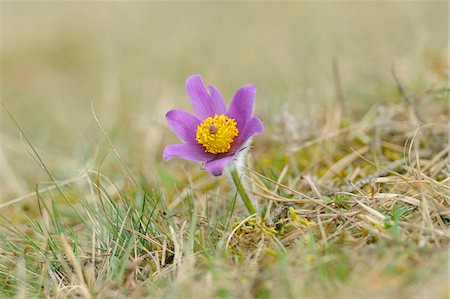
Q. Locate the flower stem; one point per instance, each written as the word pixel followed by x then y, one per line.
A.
pixel 242 192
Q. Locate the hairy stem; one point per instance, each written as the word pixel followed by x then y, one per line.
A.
pixel 241 189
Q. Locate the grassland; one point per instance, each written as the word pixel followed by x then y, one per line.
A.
pixel 351 174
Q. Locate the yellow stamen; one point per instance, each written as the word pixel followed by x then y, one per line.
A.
pixel 217 134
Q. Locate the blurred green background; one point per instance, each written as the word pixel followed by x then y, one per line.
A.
pixel 131 59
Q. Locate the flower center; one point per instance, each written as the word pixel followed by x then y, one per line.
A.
pixel 217 134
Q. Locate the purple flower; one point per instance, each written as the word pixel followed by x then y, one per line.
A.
pixel 214 135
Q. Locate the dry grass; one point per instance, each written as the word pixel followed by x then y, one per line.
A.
pixel 351 174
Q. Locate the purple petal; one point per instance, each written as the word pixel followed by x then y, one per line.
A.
pixel 241 107
pixel 216 166
pixel 252 128
pixel 204 103
pixel 183 124
pixel 217 98
pixel 192 152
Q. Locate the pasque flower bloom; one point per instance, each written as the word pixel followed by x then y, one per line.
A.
pixel 214 135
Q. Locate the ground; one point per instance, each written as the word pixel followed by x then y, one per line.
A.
pixel 351 174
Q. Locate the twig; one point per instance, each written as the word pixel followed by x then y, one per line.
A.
pixel 339 93
pixel 112 146
pixel 409 98
pixel 367 179
pixel 284 207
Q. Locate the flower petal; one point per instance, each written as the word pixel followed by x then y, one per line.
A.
pixel 183 124
pixel 218 99
pixel 216 166
pixel 252 128
pixel 192 152
pixel 241 107
pixel 204 103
